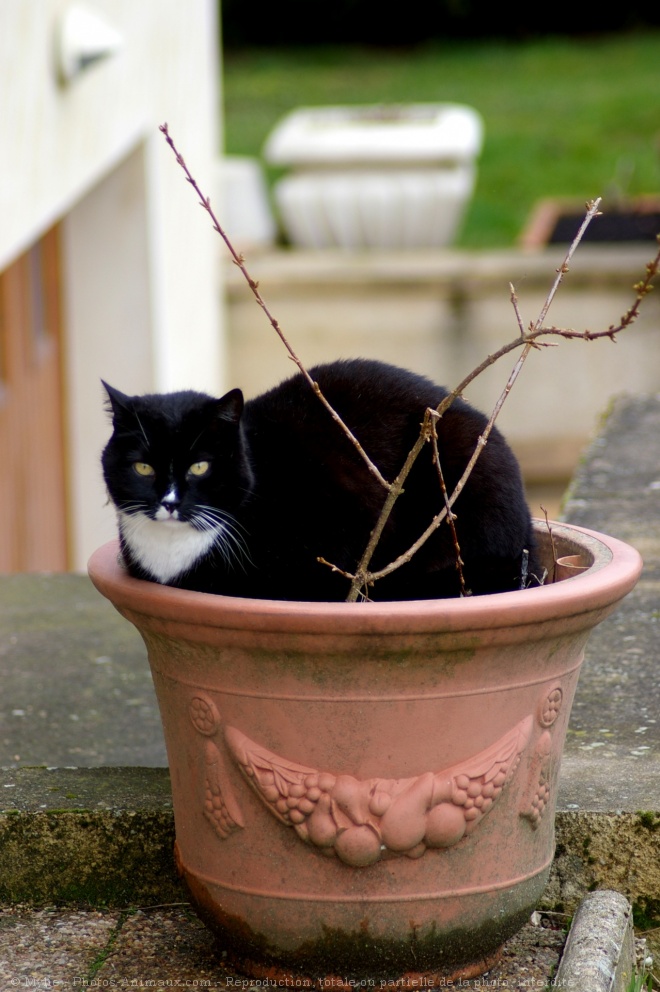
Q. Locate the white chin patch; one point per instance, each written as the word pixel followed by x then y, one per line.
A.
pixel 164 548
pixel 162 514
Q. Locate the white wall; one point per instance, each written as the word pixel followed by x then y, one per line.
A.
pixel 141 280
pixel 110 328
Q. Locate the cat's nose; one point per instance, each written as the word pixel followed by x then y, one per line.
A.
pixel 171 501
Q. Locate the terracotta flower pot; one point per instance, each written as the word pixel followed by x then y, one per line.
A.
pixel 368 790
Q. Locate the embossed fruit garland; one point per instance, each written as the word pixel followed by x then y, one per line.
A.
pixel 362 578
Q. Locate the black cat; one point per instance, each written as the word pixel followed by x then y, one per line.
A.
pixel 225 497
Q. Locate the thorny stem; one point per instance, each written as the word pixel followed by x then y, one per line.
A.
pixel 592 211
pixel 460 485
pixel 552 542
pixel 431 417
pixel 363 578
pixel 641 288
pixel 239 261
pixel 516 310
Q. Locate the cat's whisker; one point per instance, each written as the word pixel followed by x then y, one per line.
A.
pixel 231 533
pixel 216 515
pixel 144 433
pixel 134 507
pixel 229 542
pixel 231 554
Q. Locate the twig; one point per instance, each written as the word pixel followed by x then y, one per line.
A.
pixel 552 544
pixel 161 905
pixel 592 211
pixel 239 261
pixel 537 330
pixel 641 288
pixel 432 416
pixel 482 440
pixel 514 303
pixel 363 577
pixel 524 568
pixel 335 568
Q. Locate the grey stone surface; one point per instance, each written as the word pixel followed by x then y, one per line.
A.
pixel 51 948
pixel 616 489
pixel 600 951
pixel 168 947
pixel 95 837
pixel 76 685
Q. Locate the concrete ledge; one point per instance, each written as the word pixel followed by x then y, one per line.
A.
pixel 441 312
pixel 473 271
pixel 594 850
pixel 105 836
pixel 600 949
pixel 87 837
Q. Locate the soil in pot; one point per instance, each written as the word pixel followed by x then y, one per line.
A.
pixel 615 225
pixel 557 221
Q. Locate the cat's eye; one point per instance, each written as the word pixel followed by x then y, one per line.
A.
pixel 199 469
pixel 143 469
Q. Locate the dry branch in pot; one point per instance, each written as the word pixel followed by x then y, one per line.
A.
pixel 271 499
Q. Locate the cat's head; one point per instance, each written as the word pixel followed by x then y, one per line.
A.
pixel 176 470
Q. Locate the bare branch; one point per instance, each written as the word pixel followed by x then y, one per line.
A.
pixel 527 339
pixel 514 303
pixel 362 575
pixel 552 542
pixel 239 261
pixel 335 568
pixel 432 416
pixel 592 211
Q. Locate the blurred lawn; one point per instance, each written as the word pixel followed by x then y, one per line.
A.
pixel 562 117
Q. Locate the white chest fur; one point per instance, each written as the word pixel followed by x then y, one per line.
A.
pixel 164 548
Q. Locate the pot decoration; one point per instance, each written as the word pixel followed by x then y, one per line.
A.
pixel 367 791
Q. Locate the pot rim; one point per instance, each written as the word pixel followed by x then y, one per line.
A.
pixel 615 569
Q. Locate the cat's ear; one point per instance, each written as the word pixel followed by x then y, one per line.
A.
pixel 118 403
pixel 230 406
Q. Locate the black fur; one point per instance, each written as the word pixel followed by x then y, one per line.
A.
pixel 292 487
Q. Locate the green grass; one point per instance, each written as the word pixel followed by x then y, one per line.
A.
pixel 562 117
pixel 640 983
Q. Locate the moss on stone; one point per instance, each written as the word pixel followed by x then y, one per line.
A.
pixel 649 819
pixel 87 837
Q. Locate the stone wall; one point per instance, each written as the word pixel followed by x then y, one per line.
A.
pixel 441 313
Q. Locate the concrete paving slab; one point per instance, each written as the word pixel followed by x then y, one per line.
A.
pixel 51 948
pixel 168 944
pixel 168 947
pixel 616 489
pixel 76 685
